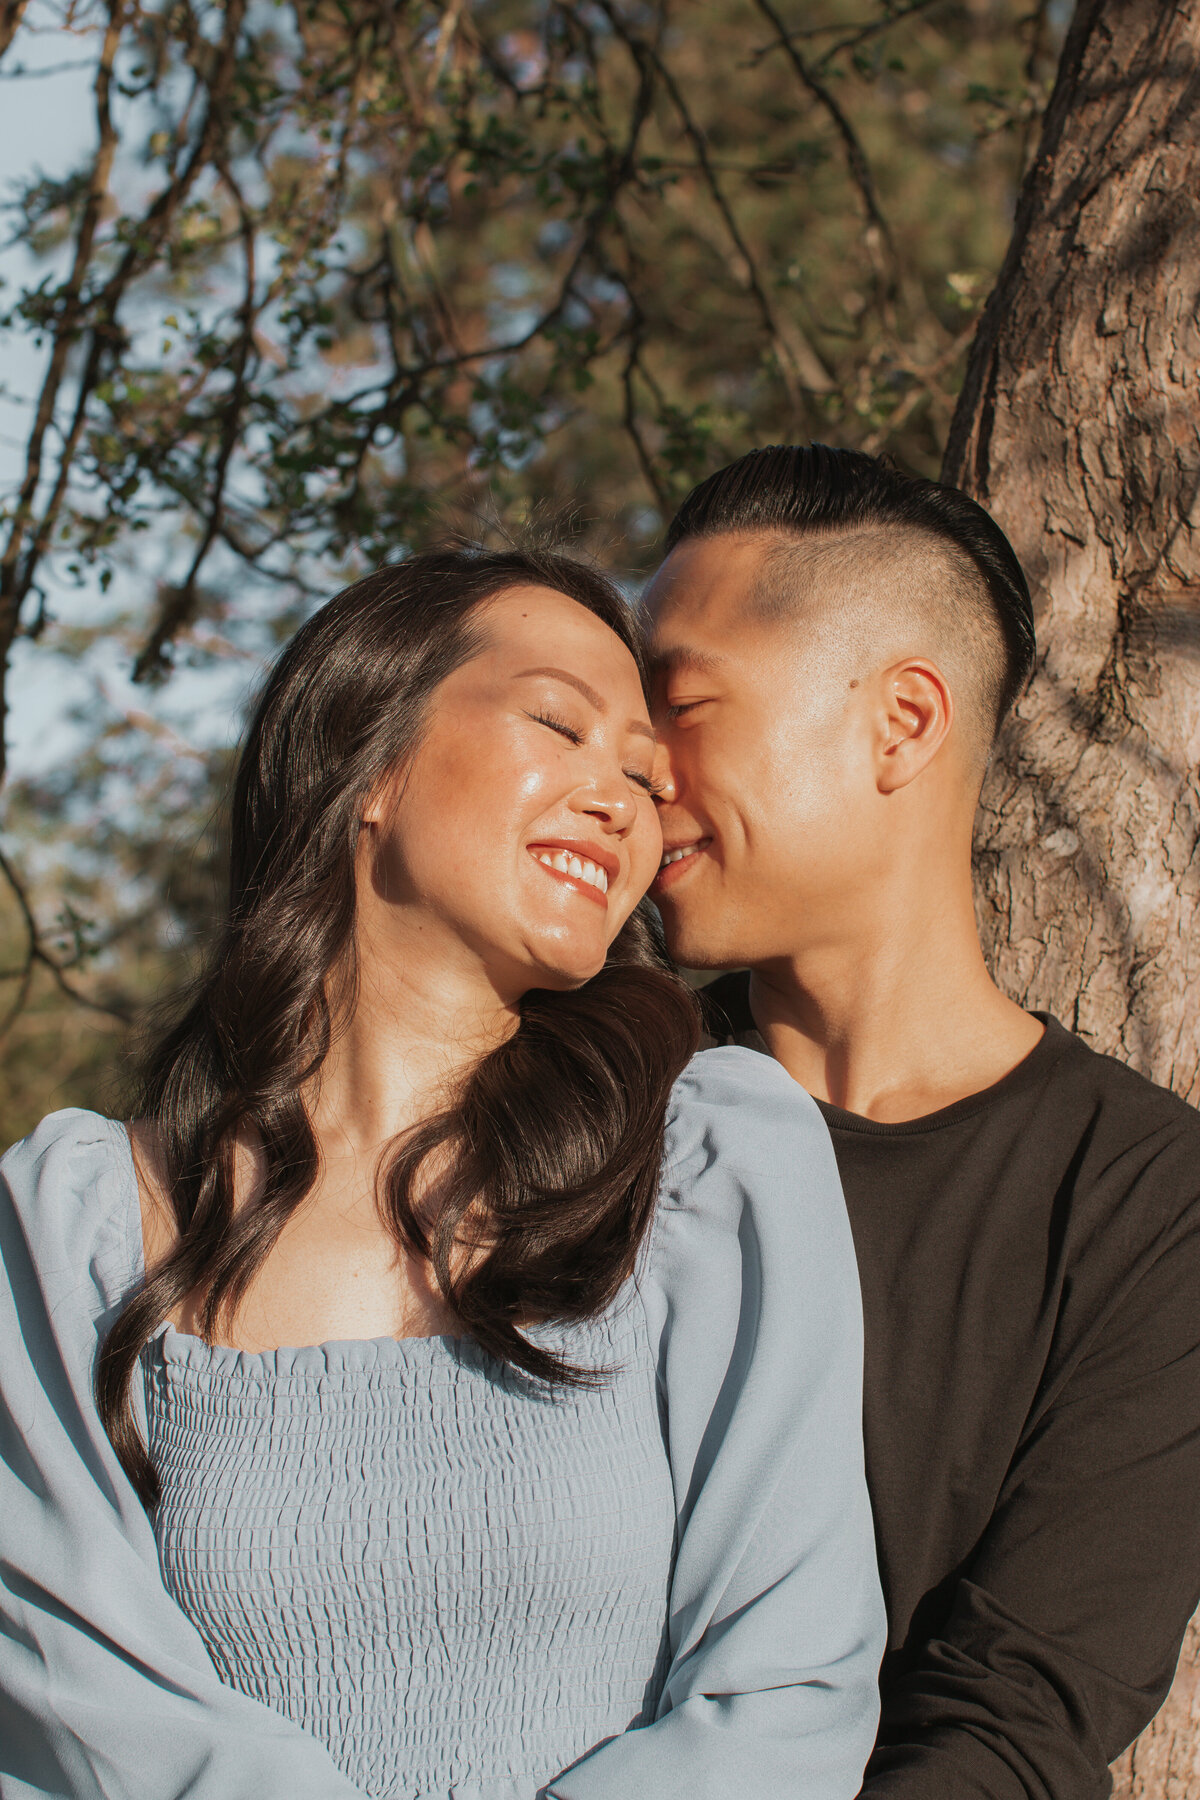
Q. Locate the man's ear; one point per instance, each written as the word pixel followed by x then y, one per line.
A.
pixel 916 715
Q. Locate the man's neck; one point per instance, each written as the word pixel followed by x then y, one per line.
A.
pixel 892 1031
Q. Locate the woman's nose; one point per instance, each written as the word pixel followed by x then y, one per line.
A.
pixel 610 803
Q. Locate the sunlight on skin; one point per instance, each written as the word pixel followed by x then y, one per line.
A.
pixel 816 775
pixel 524 751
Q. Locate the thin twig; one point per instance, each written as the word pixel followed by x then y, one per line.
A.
pixel 856 160
pixel 632 426
pixel 37 953
pixel 182 599
pixel 15 568
pixel 855 34
pixel 643 52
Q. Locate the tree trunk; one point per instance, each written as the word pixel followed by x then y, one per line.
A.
pixel 1079 428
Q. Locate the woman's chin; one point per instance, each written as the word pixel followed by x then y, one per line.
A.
pixel 562 974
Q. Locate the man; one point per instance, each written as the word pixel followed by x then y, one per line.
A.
pixel 836 645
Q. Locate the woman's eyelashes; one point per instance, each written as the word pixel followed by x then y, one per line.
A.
pixel 556 724
pixel 647 782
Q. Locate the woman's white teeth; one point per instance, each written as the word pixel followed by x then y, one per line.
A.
pixel 578 866
pixel 673 856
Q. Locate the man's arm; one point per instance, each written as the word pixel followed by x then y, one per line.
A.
pixel 1066 1625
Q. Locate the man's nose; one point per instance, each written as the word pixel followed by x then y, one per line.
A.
pixel 666 781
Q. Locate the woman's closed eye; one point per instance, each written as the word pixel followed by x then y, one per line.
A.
pixel 556 724
pixel 553 723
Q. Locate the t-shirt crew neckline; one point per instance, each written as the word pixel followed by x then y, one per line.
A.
pixel 1030 1072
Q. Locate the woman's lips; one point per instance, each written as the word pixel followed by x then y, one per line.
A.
pixel 588 875
pixel 678 861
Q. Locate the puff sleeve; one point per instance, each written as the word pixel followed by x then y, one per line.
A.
pixel 777 1622
pixel 106 1688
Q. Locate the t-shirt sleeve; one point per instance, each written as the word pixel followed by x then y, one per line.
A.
pixel 105 1685
pixel 1066 1626
pixel 776 1616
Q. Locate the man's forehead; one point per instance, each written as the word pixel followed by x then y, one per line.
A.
pixel 701 571
pixel 704 606
pixel 724 590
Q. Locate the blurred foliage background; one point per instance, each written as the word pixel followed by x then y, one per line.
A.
pixel 335 278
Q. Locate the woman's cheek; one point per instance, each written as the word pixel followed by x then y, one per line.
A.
pixel 536 773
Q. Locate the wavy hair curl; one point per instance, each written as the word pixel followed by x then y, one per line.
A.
pixel 551 1149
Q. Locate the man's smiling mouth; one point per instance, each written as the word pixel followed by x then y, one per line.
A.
pixel 682 854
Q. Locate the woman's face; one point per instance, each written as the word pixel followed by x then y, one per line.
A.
pixel 522 832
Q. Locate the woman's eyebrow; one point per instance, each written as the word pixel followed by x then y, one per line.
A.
pixel 590 695
pixel 575 681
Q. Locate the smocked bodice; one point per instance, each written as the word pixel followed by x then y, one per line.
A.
pixel 447 1573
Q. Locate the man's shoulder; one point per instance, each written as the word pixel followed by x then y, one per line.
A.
pixel 1093 1095
pixel 1125 1105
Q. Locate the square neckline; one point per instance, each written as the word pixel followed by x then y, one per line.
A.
pixel 449 1340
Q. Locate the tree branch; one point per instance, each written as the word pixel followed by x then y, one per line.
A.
pixel 856 160
pixel 855 35
pixel 36 952
pixel 643 52
pixel 11 13
pixel 15 570
pixel 181 601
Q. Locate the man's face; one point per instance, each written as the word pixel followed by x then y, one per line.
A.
pixel 770 753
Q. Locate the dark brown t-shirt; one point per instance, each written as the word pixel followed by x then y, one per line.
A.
pixel 1030 1265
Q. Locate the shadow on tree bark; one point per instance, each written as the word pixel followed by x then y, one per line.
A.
pixel 1079 427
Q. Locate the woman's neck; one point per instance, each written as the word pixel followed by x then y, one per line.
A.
pixel 416 1025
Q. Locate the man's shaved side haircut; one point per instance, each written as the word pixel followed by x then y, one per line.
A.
pixel 958 555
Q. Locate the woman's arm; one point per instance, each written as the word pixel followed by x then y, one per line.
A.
pixel 106 1688
pixel 777 1622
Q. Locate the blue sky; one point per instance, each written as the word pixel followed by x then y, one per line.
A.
pixel 46 127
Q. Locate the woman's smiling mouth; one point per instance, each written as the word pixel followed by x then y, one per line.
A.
pixel 569 863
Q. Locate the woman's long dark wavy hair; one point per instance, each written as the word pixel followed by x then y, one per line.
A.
pixel 554 1140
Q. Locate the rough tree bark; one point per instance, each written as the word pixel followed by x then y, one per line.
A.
pixel 1079 428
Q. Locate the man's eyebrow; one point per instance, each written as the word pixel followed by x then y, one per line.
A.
pixel 683 656
pixel 590 695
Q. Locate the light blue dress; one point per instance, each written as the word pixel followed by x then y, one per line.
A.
pixel 400 1569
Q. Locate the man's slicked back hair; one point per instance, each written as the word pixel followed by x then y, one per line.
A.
pixel 814 489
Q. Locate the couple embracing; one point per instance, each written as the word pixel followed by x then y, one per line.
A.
pixel 453 1385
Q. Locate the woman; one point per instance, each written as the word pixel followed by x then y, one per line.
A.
pixel 475 1413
